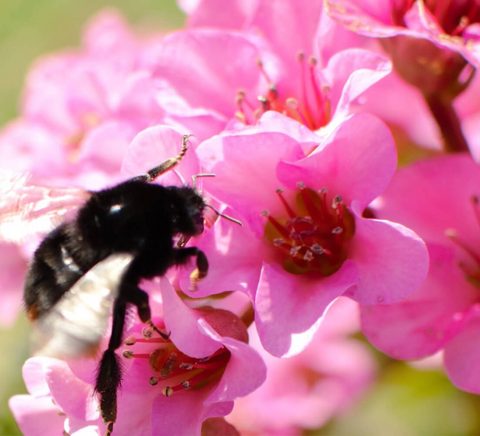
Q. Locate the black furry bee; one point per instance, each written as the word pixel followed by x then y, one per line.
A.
pixel 119 236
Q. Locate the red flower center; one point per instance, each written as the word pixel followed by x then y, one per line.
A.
pixel 315 237
pixel 452 16
pixel 173 370
pixel 311 107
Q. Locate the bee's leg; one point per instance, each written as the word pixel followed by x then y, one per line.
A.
pixel 165 166
pixel 139 298
pixel 109 375
pixel 183 254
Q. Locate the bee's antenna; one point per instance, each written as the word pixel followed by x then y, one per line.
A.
pixel 197 176
pixel 228 217
pixel 165 166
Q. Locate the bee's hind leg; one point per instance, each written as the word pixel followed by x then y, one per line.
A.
pixel 109 373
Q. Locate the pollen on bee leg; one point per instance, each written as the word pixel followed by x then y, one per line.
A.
pixel 195 276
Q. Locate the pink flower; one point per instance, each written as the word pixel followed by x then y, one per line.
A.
pixel 97 97
pixel 434 46
pixel 169 386
pixel 438 198
pixel 284 67
pixel 321 382
pixel 448 25
pixel 304 240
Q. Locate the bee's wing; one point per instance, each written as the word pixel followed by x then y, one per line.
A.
pixel 77 322
pixel 29 210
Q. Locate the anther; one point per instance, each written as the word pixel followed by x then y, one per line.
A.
pixel 295 250
pixel 153 381
pixel 187 366
pixel 337 200
pixel 308 256
pixel 127 354
pixel 317 249
pixel 147 332
pixel 167 391
pixel 130 341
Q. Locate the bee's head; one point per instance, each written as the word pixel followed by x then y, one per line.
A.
pixel 189 217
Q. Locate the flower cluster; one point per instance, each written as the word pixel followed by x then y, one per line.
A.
pixel 300 110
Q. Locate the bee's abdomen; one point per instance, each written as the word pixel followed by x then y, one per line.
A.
pixel 53 271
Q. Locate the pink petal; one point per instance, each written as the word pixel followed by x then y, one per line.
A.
pixel 394 100
pixel 429 318
pixel 392 261
pixel 182 322
pixel 209 66
pixel 288 304
pixel 155 145
pixel 462 358
pixel 213 13
pixel 418 192
pixel 299 18
pixel 234 255
pixel 357 161
pixel 54 377
pixel 105 145
pixel 37 416
pixel 74 396
pixel 107 33
pixel 185 411
pixel 242 163
pixel 272 121
pixel 244 373
pixel 351 72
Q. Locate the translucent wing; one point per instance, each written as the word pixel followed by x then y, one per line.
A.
pixel 78 322
pixel 29 210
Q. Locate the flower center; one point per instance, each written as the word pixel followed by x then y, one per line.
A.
pixel 311 107
pixel 173 370
pixel 453 16
pixel 315 237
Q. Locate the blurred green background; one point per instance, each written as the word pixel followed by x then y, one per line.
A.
pixel 404 402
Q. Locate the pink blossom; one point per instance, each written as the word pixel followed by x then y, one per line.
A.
pixel 284 67
pixel 433 46
pixel 438 198
pixel 306 391
pixel 280 194
pixel 448 25
pixel 97 97
pixel 169 386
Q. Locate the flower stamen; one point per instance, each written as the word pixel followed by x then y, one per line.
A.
pixel 314 237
